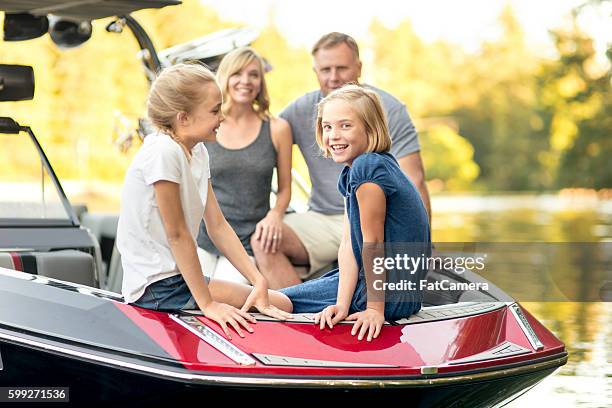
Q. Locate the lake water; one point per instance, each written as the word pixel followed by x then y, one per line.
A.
pixel 584 327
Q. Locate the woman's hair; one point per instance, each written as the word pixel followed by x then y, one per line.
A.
pixel 177 89
pixel 368 107
pixel 231 64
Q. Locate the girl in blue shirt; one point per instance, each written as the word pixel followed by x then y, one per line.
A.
pixel 385 220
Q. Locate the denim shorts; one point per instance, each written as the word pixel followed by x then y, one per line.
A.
pixel 315 295
pixel 168 294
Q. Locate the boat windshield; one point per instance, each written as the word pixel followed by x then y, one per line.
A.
pixel 28 194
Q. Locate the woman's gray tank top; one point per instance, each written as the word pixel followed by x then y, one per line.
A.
pixel 242 182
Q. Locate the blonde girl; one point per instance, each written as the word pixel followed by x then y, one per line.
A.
pixel 166 193
pixel 384 213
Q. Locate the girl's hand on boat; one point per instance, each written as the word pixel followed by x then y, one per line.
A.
pixel 330 315
pixel 269 232
pixel 225 315
pixel 259 299
pixel 369 321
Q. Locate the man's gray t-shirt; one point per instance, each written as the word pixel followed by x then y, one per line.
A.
pixel 324 172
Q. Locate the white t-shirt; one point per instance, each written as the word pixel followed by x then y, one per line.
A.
pixel 141 239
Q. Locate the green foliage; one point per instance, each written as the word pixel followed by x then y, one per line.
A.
pixel 448 157
pixel 490 96
pixel 417 73
pixel 533 123
pixel 174 25
pixel 291 73
pixel 575 93
pixel 503 125
pixel 77 94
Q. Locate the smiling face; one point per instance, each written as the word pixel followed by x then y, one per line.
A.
pixel 244 85
pixel 336 66
pixel 202 123
pixel 344 134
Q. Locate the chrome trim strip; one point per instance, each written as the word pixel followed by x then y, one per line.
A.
pixel 425 315
pixel 213 339
pixel 526 327
pixel 274 360
pixel 1 364
pixel 289 382
pixel 451 311
pixel 505 349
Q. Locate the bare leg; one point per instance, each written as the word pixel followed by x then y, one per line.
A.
pixel 236 294
pixel 277 267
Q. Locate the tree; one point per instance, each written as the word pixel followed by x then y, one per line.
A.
pixel 449 157
pixel 503 123
pixel 575 94
pixel 291 74
pixel 490 95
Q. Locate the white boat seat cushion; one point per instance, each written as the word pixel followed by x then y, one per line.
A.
pixel 67 265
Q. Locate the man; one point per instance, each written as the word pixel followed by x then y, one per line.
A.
pixel 312 239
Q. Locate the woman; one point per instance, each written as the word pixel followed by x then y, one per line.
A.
pixel 250 144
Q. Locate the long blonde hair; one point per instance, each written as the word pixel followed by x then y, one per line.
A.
pixel 368 107
pixel 231 64
pixel 177 89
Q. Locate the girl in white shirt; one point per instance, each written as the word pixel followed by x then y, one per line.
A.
pixel 166 193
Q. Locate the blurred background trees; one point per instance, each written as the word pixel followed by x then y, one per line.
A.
pixel 575 97
pixel 501 118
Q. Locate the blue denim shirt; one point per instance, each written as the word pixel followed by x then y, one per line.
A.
pixel 406 221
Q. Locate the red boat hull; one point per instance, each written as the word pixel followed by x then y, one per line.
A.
pixel 407 348
pixel 465 354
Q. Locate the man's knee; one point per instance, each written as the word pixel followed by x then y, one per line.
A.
pixel 292 246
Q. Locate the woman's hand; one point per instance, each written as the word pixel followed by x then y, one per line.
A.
pixel 269 231
pixel 225 314
pixel 369 321
pixel 330 315
pixel 259 299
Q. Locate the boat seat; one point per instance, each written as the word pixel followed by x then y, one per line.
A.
pixel 115 272
pixel 6 260
pixel 104 228
pixel 67 265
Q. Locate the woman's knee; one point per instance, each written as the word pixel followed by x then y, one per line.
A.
pixel 256 246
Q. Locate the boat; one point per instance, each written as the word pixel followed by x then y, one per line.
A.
pixel 61 325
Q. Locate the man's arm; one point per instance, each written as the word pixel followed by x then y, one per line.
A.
pixel 405 147
pixel 412 166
